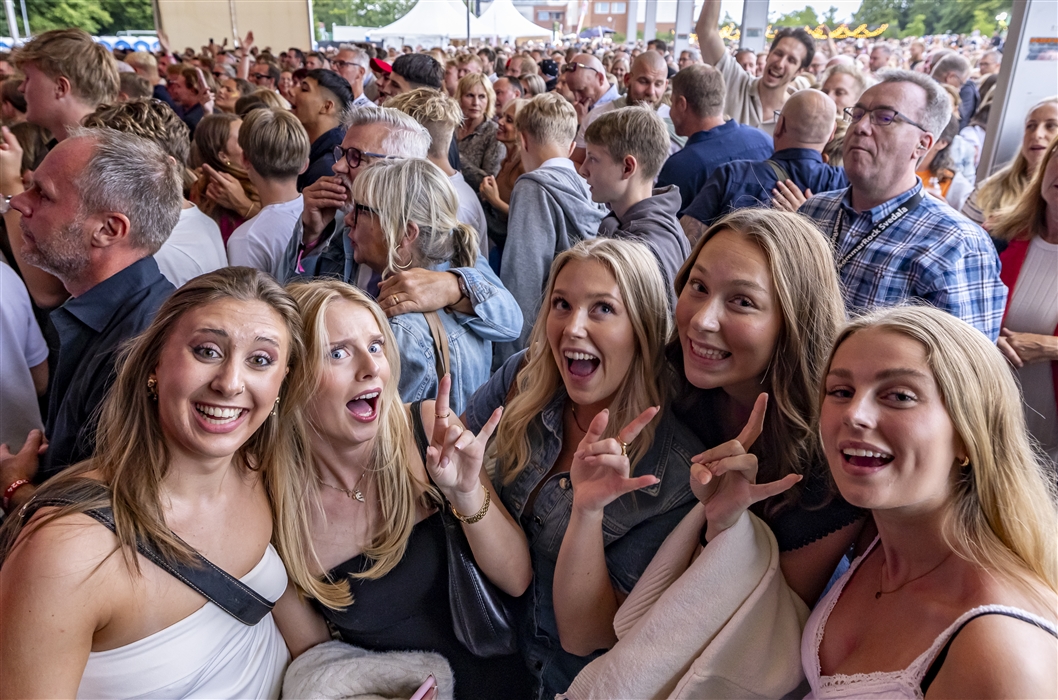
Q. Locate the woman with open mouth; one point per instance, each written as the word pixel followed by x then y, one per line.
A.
pixel 378 531
pixel 198 473
pixel 921 423
pixel 404 218
pixel 586 424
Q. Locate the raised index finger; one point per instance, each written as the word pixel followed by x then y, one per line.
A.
pixel 441 410
pixel 631 431
pixel 755 424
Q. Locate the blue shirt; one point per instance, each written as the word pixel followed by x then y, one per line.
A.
pixel 932 253
pixel 321 157
pixel 747 183
pixel 634 526
pixel 92 328
pixel 689 168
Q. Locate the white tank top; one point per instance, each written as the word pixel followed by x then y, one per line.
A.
pixel 880 684
pixel 208 654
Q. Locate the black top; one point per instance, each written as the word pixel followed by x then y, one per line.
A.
pixel 91 328
pixel 819 511
pixel 408 609
pixel 321 157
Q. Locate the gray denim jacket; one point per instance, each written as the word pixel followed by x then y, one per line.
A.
pixel 634 526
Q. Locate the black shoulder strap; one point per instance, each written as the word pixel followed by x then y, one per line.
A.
pixel 934 668
pixel 421 440
pixel 780 172
pixel 221 588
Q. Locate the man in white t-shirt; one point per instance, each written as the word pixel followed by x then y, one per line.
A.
pixel 275 150
pixel 194 248
pixel 23 362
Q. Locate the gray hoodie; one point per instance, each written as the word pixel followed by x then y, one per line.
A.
pixel 551 210
pixel 653 222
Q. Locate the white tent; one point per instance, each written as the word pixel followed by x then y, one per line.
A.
pixel 442 20
pixel 505 22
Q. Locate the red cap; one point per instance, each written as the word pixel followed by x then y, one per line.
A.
pixel 381 66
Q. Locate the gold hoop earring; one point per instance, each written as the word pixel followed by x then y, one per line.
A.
pixel 275 407
pixel 152 388
pixel 965 462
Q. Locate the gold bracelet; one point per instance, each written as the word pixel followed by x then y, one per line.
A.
pixel 471 519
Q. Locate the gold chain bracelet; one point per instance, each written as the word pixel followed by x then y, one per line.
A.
pixel 471 519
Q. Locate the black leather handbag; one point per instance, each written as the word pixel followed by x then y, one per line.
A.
pixel 481 612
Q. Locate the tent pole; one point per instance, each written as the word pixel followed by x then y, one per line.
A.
pixel 468 23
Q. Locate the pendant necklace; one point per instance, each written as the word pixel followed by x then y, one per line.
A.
pixel 880 592
pixel 353 493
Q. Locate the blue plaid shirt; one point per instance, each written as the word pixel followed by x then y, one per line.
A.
pixel 932 253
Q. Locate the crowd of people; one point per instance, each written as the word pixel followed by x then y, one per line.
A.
pixel 588 372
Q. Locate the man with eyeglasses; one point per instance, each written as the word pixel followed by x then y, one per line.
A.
pixel 265 75
pixel 352 64
pixel 321 247
pixel 585 79
pixel 892 242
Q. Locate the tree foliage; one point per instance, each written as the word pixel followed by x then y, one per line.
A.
pixel 360 13
pixel 801 18
pixel 101 17
pixel 926 17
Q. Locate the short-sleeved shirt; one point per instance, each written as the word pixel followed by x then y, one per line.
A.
pixel 743 94
pixel 706 151
pixel 194 248
pixel 746 183
pixel 92 328
pixel 22 346
pixel 932 253
pixel 262 241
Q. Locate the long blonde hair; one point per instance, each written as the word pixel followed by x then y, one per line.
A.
pixel 132 456
pixel 1027 218
pixel 398 488
pixel 638 278
pixel 412 190
pixel 1002 512
pixel 1005 186
pixel 801 265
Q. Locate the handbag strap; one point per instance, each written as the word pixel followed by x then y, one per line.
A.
pixel 419 430
pixel 780 172
pixel 218 586
pixel 440 343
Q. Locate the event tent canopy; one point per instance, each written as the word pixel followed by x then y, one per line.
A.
pixel 505 22
pixel 445 19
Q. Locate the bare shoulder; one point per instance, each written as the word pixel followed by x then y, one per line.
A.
pixel 72 546
pixel 997 656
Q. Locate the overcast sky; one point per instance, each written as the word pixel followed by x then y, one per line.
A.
pixel 667 8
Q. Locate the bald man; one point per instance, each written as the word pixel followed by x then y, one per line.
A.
pixel 585 79
pixel 645 84
pixel 804 127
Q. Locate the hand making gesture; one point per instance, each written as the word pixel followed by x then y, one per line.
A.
pixel 601 470
pixel 724 477
pixel 454 456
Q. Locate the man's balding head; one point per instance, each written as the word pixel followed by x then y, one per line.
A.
pixel 807 121
pixel 647 79
pixel 587 81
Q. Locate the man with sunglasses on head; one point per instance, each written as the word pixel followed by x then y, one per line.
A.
pixel 585 79
pixel 321 247
pixel 892 242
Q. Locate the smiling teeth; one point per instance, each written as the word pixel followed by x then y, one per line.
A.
pixel 365 397
pixel 579 356
pixel 709 353
pixel 865 453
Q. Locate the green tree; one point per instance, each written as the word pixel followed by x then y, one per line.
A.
pixel 88 15
pixel 877 12
pixel 916 27
pixel 801 18
pixel 360 13
pixel 831 17
pixel 127 15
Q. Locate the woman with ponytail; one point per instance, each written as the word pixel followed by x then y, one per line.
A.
pixel 403 217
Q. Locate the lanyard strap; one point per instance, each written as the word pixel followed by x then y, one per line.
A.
pixel 883 225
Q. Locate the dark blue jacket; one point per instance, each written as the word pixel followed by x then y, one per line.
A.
pixel 748 183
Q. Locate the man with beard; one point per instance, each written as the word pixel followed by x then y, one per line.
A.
pixel 645 85
pixel 82 223
pixel 755 100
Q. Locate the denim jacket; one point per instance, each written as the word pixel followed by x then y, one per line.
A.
pixel 469 344
pixel 497 316
pixel 634 526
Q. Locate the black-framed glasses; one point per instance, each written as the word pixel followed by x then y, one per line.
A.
pixel 258 77
pixel 574 67
pixel 354 156
pixel 880 116
pixel 342 64
pixel 357 208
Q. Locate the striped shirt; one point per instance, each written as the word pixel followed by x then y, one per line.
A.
pixel 932 253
